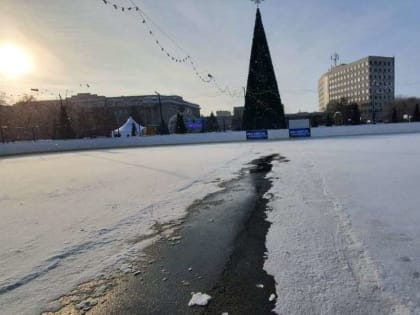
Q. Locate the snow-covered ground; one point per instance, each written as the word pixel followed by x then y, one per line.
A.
pixel 344 238
pixel 64 218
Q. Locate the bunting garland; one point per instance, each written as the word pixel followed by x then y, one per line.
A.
pixel 39 93
pixel 187 59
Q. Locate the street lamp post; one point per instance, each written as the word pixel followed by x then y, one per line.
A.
pixel 163 130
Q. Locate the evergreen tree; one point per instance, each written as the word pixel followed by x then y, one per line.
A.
pixel 180 124
pixel 355 114
pixel 163 128
pixel 133 130
pixel 65 130
pixel 1 123
pixel 314 122
pixel 211 123
pixel 263 107
pixel 416 114
pixel 394 115
pixel 329 121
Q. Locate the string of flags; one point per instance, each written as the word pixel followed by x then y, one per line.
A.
pixel 187 59
pixel 144 21
pixel 38 92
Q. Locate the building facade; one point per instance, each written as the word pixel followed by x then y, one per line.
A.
pixel 238 113
pixel 224 120
pixel 147 107
pixel 90 115
pixel 369 82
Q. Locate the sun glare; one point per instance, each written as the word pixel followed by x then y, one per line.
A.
pixel 14 62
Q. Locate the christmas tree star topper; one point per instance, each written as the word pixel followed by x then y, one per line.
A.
pixel 257 2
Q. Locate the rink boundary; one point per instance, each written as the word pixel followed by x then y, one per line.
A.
pixel 50 146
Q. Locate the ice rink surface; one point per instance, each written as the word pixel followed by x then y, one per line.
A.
pixel 345 218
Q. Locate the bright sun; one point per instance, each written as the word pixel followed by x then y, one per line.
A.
pixel 14 62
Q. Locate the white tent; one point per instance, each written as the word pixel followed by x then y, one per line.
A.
pixel 127 129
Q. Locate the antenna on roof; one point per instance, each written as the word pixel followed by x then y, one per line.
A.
pixel 335 58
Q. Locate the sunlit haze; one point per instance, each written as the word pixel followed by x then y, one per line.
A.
pixel 14 62
pixel 80 42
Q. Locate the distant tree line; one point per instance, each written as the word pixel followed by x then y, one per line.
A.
pixel 404 109
pixel 31 120
pixel 342 113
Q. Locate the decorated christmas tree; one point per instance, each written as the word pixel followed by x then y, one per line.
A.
pixel 263 107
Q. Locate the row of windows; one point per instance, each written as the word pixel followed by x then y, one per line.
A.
pixel 378 89
pixel 357 97
pixel 349 78
pixel 359 78
pixel 389 70
pixel 383 97
pixel 339 92
pixel 351 98
pixel 380 63
pixel 349 86
pixel 350 69
pixel 363 83
pixel 387 91
pixel 364 66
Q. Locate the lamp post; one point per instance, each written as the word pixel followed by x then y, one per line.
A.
pixel 163 129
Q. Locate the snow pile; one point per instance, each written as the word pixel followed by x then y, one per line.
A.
pixel 199 299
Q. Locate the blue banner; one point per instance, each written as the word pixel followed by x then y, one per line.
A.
pixel 300 133
pixel 256 135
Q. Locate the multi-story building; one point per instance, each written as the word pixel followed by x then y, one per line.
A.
pixel 224 119
pixel 368 82
pixel 238 113
pixel 92 115
pixel 147 106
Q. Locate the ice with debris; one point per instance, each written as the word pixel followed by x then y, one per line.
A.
pixel 199 299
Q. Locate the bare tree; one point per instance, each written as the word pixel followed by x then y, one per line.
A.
pixel 26 99
pixel 3 98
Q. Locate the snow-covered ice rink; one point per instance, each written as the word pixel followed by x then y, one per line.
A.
pixel 345 233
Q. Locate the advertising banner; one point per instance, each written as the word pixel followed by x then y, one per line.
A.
pixel 256 135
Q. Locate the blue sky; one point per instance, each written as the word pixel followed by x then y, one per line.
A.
pixel 85 41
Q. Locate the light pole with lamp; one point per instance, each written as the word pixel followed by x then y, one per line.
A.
pixel 163 128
